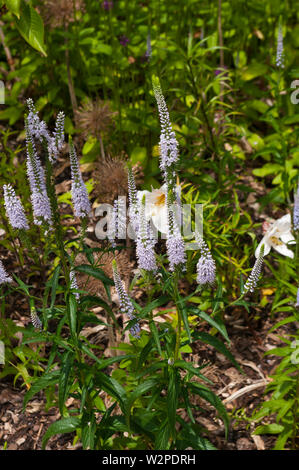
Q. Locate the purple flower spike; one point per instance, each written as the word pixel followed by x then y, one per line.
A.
pixel 106 5
pixel 206 268
pixel 14 209
pixel 296 211
pixel 169 153
pixel 4 277
pixel 79 192
pixel 174 243
pixel 255 274
pixel 145 243
pixel 126 305
pixel 39 197
pixel 124 40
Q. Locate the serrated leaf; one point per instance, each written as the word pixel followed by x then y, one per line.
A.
pixel 63 426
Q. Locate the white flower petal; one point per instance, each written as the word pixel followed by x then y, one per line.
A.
pixel 283 250
pixel 288 237
pixel 267 247
pixel 160 219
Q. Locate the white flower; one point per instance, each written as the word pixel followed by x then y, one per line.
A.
pixel 278 236
pixel 155 206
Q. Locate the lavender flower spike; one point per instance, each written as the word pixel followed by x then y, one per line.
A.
pixel 14 209
pixel 126 305
pixel 74 284
pixel 279 50
pixel 174 243
pixel 4 277
pixel 79 192
pixel 39 197
pixel 206 268
pixel 296 211
pixel 35 319
pixel 297 301
pixel 169 153
pixel 145 242
pixel 133 201
pixel 252 281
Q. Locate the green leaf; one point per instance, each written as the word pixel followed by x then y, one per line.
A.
pixel 210 396
pixel 14 6
pixel 68 361
pixel 217 344
pixel 184 312
pixel 63 426
pixel 144 387
pixel 272 428
pixel 88 426
pixel 190 368
pixel 112 387
pixel 216 324
pixel 31 27
pixel 41 383
pixel 72 311
pixel 94 272
pixel 155 334
pixel 172 398
pixel 162 437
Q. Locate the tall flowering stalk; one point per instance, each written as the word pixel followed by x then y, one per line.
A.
pixel 73 284
pixel 133 201
pixel 279 50
pixel 296 211
pixel 169 152
pixel 174 243
pixel 126 305
pixel 145 242
pixel 36 175
pixel 36 322
pixel 4 277
pixel 206 267
pixel 14 209
pixel 81 202
pixel 255 274
pixel 38 130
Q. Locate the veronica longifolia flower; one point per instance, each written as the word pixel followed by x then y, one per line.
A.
pixel 14 209
pixel 145 242
pixel 252 281
pixel 174 243
pixel 38 130
pixel 74 284
pixel 39 197
pixel 279 50
pixel 4 277
pixel 296 211
pixel 133 201
pixel 126 305
pixel 278 236
pixel 206 267
pixel 79 192
pixel 169 153
pixel 35 319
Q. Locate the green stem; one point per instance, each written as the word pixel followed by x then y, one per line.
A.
pixel 179 326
